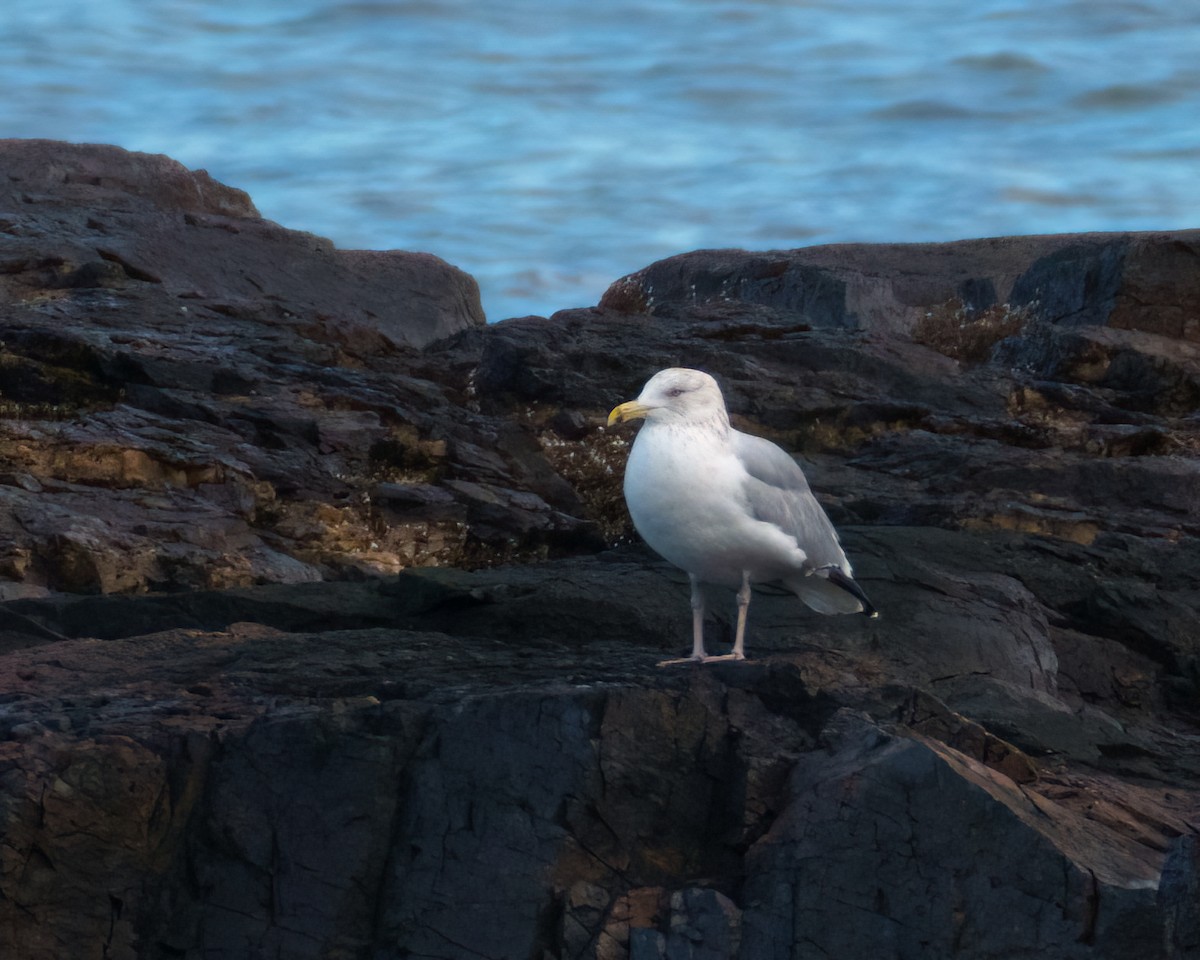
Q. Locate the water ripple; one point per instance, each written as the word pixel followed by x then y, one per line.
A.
pixel 551 147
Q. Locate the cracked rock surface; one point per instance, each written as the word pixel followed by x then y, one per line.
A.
pixel 323 632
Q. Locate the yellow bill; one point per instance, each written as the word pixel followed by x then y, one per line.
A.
pixel 628 411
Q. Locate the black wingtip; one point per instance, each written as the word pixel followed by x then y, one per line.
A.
pixel 838 578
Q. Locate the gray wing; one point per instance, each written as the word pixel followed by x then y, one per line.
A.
pixel 777 492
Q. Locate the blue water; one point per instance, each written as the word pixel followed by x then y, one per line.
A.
pixel 550 146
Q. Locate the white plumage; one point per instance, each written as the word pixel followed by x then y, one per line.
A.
pixel 727 507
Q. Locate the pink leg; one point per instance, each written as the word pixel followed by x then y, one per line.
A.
pixel 743 604
pixel 739 637
pixel 698 654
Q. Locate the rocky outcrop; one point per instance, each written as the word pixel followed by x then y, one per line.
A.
pixel 326 636
pixel 217 401
pixel 171 240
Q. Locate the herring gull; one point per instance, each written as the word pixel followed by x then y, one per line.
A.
pixel 727 507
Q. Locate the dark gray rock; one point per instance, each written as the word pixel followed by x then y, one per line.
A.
pixel 1137 281
pixel 1179 899
pixel 902 840
pixel 109 217
pixel 392 792
pixel 324 632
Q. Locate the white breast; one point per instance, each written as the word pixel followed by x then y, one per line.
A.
pixel 684 488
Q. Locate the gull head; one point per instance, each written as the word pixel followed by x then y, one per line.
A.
pixel 675 395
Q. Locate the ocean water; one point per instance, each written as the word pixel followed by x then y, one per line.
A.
pixel 549 147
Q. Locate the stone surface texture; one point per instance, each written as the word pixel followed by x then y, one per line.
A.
pixel 324 633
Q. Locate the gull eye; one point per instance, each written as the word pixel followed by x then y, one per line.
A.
pixel 675 392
